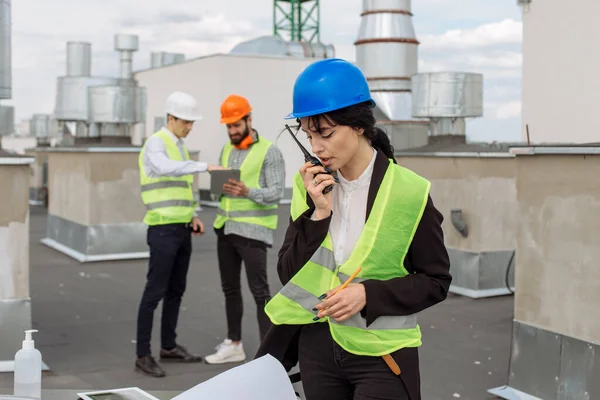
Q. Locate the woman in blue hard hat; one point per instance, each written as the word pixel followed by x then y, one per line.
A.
pixel 362 341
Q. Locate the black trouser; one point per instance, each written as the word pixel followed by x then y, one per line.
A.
pixel 329 372
pixel 170 250
pixel 232 250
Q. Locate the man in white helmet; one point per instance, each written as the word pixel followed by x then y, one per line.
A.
pixel 166 176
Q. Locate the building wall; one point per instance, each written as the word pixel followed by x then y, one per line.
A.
pixel 266 81
pixel 14 232
pixel 15 301
pixel 98 188
pixel 37 168
pixel 485 190
pixel 560 71
pixel 95 188
pixel 557 277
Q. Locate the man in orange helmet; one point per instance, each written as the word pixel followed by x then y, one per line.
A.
pixel 246 221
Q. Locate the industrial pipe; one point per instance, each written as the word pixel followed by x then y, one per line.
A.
pixel 126 45
pixel 458 222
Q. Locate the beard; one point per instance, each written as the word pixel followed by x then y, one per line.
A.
pixel 238 139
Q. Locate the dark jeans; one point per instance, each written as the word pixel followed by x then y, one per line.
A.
pixel 232 250
pixel 329 372
pixel 170 250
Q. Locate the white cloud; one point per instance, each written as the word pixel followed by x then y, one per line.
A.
pixel 493 59
pixel 511 109
pixel 504 32
pixel 440 15
pixel 493 66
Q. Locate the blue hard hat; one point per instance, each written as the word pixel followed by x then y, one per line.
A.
pixel 328 85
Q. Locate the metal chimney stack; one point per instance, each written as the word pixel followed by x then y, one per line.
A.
pixel 387 53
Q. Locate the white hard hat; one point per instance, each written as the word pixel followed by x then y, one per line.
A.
pixel 183 106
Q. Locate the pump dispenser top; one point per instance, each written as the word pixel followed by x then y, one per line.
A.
pixel 29 343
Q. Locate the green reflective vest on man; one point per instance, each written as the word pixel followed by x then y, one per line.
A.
pixel 380 251
pixel 168 200
pixel 241 209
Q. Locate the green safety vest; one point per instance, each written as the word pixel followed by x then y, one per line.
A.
pixel 242 209
pixel 168 200
pixel 380 251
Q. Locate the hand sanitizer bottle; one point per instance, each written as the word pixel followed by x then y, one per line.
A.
pixel 28 369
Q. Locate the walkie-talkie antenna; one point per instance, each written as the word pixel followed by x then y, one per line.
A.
pixel 314 160
pixel 307 156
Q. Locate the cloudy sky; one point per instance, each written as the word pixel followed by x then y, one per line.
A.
pixel 460 35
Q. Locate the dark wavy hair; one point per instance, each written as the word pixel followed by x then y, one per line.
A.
pixel 358 116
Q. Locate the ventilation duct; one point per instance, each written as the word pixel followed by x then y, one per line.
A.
pixel 447 98
pixel 126 45
pixel 97 106
pixel 161 59
pixel 386 51
pixel 40 126
pixel 79 59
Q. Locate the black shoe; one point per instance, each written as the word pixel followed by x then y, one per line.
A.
pixel 179 354
pixel 149 366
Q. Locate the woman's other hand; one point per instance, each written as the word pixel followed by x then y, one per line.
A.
pixel 315 184
pixel 343 304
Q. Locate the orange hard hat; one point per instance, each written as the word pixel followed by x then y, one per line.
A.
pixel 234 108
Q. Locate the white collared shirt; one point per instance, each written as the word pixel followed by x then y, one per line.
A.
pixel 157 162
pixel 349 206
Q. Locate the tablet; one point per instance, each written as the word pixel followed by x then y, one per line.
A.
pixel 219 177
pixel 131 393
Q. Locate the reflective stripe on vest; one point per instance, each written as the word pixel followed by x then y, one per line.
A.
pixel 380 250
pixel 242 209
pixel 168 200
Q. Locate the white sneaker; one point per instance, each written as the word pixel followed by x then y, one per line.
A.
pixel 227 352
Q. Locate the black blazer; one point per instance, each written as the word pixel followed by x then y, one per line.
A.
pixel 427 283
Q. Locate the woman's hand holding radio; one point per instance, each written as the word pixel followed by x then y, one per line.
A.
pixel 316 179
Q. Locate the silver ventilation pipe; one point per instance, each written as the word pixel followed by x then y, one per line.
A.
pixel 40 126
pixel 387 53
pixel 126 45
pixel 79 59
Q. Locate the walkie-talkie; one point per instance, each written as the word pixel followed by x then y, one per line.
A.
pixel 314 160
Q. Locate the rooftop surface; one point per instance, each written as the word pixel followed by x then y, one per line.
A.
pixel 86 317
